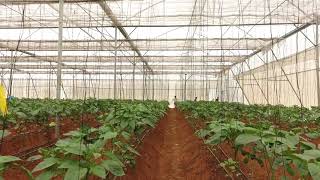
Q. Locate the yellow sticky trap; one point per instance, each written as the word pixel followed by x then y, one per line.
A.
pixel 3 101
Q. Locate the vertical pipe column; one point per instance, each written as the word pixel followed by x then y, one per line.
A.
pixel 185 87
pixel 73 86
pixel 143 82
pixel 221 89
pixel 115 64
pixel 58 95
pixel 152 86
pixel 317 60
pixel 28 87
pixel 134 77
pixel 11 75
pixel 228 86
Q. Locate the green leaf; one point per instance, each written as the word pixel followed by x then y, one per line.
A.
pixel 313 135
pixel 46 175
pixel 113 166
pixel 244 139
pixel 109 135
pixel 307 145
pixel 48 162
pixel 98 171
pixel 314 170
pixel 110 116
pixel 312 153
pixel 114 157
pixel 7 159
pixel 75 173
pixel 21 115
pixel 66 164
pixel 289 170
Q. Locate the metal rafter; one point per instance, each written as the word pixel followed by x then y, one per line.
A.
pixel 118 25
pixel 101 59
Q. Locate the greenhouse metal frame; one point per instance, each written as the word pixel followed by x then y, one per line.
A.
pixel 242 51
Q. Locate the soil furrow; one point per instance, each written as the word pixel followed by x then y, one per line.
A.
pixel 174 152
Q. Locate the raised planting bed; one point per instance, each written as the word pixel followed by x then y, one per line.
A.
pixel 257 148
pixel 92 153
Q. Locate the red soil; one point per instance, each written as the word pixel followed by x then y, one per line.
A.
pixel 36 136
pixel 32 140
pixel 172 151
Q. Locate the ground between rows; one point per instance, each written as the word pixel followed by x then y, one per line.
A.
pixel 172 151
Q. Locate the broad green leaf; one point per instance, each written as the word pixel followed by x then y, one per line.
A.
pixel 114 157
pixel 46 175
pixel 113 166
pixel 7 159
pixel 202 133
pixel 66 164
pixel 48 162
pixel 75 173
pixel 312 153
pixel 314 170
pixel 110 116
pixel 307 145
pixel 313 135
pixel 215 139
pixel 98 171
pixel 21 115
pixel 309 155
pixel 244 139
pixel 109 135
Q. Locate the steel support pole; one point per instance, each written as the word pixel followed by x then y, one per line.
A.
pixel 185 88
pixel 28 87
pixel 227 86
pixel 11 75
pixel 221 89
pixel 317 60
pixel 134 78
pixel 58 95
pixel 152 86
pixel 143 82
pixel 115 64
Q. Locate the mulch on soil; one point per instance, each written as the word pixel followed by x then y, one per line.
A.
pixel 172 151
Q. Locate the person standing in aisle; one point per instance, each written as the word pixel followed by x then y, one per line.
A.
pixel 175 100
pixel 172 103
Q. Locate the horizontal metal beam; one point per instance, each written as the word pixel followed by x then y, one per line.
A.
pixel 120 67
pixel 46 24
pixel 156 72
pixel 151 59
pixel 144 44
pixel 17 2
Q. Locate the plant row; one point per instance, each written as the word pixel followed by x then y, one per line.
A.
pixel 288 150
pixel 104 152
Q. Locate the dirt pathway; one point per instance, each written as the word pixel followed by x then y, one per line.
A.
pixel 172 151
